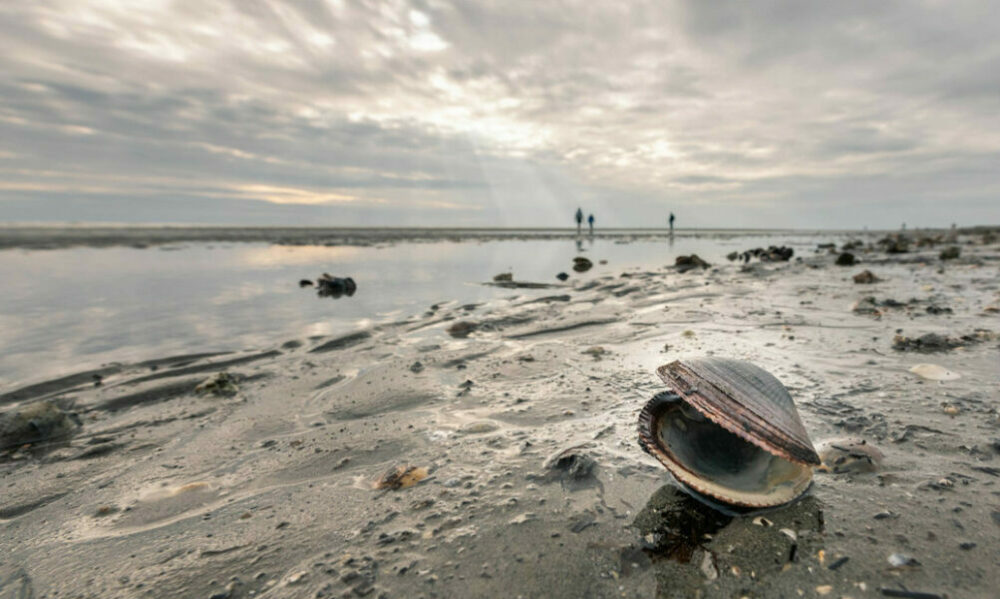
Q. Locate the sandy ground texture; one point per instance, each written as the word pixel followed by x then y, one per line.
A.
pixel 508 454
pixel 55 236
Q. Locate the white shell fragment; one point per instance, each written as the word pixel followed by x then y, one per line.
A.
pixel 851 456
pixel 933 372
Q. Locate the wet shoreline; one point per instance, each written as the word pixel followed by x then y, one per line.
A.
pixel 162 490
pixel 54 237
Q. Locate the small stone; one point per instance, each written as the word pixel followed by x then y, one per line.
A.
pixel 824 589
pixel 581 264
pixel 846 259
pixel 901 560
pixel 222 384
pixel 461 329
pixel 686 263
pixel 950 253
pixel 967 545
pixel 866 277
pixel 562 276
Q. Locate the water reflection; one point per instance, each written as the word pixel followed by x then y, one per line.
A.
pixel 70 309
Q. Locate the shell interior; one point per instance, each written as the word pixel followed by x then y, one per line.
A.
pixel 709 459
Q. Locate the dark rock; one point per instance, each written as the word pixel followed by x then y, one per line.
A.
pixel 520 285
pixel 931 342
pixel 581 264
pixel 305 283
pixel 732 256
pixel 335 287
pixel 461 329
pixel 771 254
pixel 504 276
pixel 935 309
pixel 416 367
pixel 895 244
pixel 777 254
pixel 866 277
pixel 846 259
pixel 686 263
pixel 950 253
pixel 35 423
pixel 562 276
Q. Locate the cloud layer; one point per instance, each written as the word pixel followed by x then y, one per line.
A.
pixel 511 113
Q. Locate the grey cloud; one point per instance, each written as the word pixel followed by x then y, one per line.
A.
pixel 470 112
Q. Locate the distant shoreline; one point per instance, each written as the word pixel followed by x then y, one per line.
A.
pixel 36 236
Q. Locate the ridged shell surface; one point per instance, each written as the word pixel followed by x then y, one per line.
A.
pixel 745 400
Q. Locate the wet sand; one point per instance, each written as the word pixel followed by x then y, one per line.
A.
pixel 535 485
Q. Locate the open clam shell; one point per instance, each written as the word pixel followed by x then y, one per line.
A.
pixel 728 430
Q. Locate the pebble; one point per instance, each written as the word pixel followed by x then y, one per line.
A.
pixel 901 560
pixel 933 372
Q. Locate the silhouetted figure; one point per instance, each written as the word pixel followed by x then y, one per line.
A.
pixel 590 221
pixel 671 223
pixel 579 220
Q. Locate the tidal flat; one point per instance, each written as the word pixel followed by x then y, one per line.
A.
pixel 488 448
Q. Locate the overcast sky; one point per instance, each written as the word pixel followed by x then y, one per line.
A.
pixel 833 114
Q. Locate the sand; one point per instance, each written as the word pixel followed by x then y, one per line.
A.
pixel 522 476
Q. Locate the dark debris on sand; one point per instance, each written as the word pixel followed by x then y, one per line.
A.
pixel 934 342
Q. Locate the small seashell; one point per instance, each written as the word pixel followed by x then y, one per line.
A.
pixel 933 372
pixel 853 456
pixel 901 560
pixel 951 410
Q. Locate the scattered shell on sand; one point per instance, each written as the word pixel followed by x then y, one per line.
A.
pixel 401 477
pixel 933 372
pixel 222 384
pixel 849 456
pixel 901 560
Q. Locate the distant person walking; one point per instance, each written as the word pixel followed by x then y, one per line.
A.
pixel 579 220
pixel 671 223
pixel 590 221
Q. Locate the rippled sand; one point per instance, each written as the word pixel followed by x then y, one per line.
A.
pixel 164 492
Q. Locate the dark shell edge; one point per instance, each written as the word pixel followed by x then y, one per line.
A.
pixel 789 449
